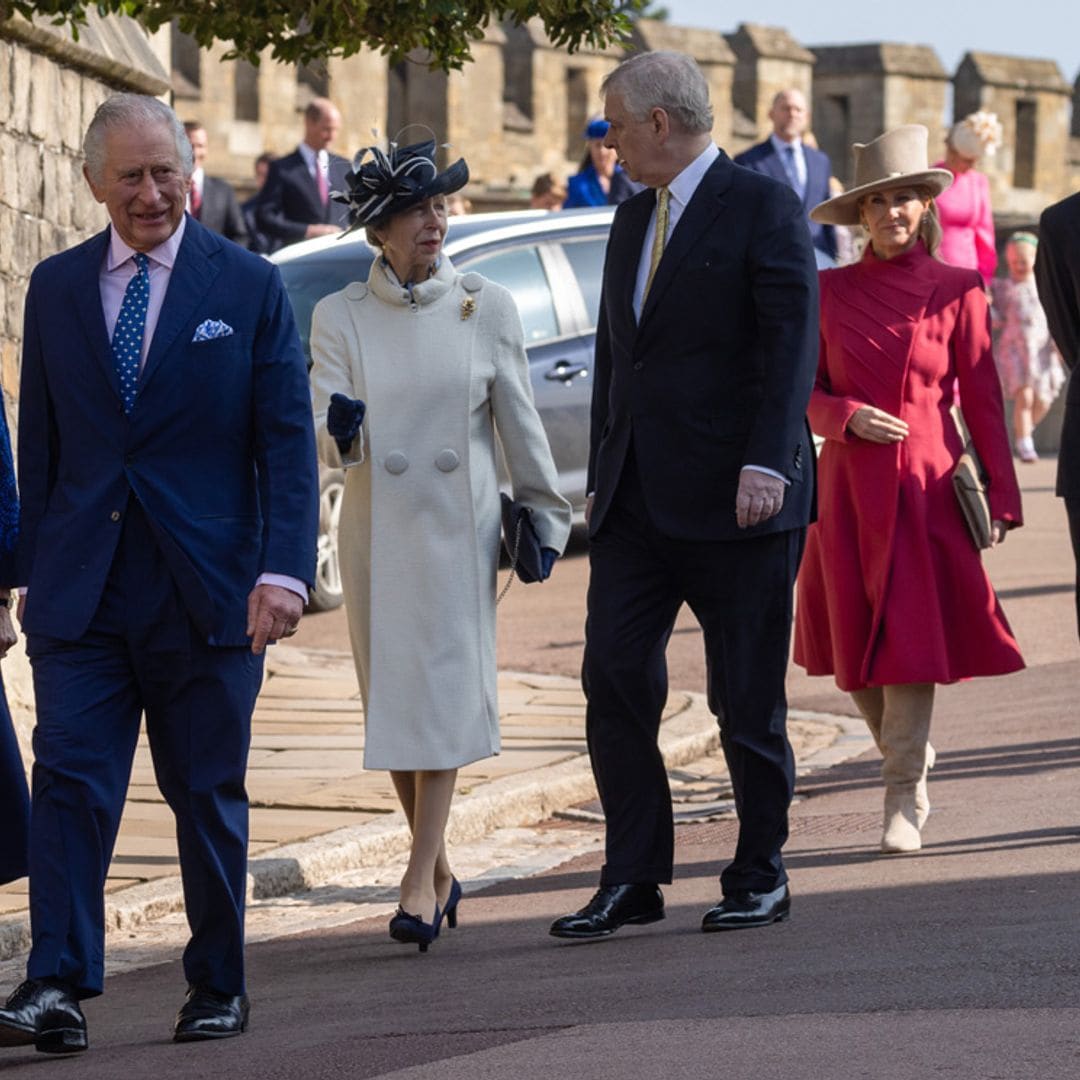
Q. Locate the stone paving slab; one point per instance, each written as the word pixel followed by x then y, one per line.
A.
pixel 317 812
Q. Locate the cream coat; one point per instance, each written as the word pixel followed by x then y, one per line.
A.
pixel 420 518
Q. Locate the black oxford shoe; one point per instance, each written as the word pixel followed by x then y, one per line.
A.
pixel 206 1014
pixel 612 906
pixel 744 909
pixel 46 1014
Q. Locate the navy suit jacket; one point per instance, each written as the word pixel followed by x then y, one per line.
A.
pixel 289 201
pixel 763 158
pixel 219 448
pixel 718 373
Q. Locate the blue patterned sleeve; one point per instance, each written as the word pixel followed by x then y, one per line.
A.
pixel 9 507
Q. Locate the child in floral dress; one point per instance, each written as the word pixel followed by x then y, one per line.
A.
pixel 1031 371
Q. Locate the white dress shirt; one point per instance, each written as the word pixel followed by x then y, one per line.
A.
pixel 799 158
pixel 681 191
pixel 198 180
pixel 316 160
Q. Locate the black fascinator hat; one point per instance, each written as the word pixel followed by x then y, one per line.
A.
pixel 383 183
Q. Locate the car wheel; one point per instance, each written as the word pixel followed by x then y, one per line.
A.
pixel 327 593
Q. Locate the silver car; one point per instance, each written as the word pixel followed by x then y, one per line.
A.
pixel 552 263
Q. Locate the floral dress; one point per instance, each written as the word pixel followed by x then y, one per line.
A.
pixel 1025 352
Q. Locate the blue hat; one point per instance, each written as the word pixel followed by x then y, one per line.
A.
pixel 597 128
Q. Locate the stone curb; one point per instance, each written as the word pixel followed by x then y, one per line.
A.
pixel 511 801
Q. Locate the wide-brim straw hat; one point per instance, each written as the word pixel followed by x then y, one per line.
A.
pixel 383 183
pixel 896 159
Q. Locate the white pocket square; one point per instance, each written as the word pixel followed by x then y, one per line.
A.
pixel 210 329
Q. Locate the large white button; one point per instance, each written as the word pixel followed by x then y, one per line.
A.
pixel 447 461
pixel 396 463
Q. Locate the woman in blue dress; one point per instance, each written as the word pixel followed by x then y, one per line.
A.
pixel 14 797
pixel 600 181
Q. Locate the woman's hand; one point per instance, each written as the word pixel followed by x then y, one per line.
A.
pixel 877 426
pixel 8 634
pixel 998 529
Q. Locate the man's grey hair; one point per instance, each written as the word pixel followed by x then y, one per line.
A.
pixel 671 81
pixel 130 110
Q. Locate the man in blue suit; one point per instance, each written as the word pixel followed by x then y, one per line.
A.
pixel 785 157
pixel 167 533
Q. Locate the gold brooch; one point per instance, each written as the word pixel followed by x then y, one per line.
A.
pixel 468 306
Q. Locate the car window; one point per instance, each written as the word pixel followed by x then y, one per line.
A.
pixel 307 281
pixel 587 259
pixel 521 271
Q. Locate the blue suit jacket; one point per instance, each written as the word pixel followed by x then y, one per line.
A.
pixel 763 158
pixel 718 372
pixel 219 448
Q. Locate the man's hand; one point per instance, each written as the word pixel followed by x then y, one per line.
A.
pixel 273 613
pixel 589 500
pixel 8 634
pixel 759 497
pixel 876 425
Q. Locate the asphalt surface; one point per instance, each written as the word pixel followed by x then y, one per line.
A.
pixel 961 961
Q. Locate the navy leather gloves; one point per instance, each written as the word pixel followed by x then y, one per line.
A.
pixel 547 561
pixel 343 419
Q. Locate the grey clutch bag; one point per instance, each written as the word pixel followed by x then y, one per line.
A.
pixel 969 483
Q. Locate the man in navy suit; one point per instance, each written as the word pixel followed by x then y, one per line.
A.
pixel 1057 273
pixel 785 157
pixel 701 480
pixel 167 533
pixel 295 202
pixel 211 200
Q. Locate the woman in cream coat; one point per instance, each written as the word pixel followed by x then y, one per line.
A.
pixel 414 371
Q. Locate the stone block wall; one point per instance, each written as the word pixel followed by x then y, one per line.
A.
pixel 767 60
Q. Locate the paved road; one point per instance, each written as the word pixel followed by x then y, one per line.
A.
pixel 960 962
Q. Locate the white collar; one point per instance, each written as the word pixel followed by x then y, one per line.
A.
pixel 684 185
pixel 780 146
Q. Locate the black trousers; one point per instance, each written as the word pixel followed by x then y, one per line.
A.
pixel 1072 509
pixel 741 593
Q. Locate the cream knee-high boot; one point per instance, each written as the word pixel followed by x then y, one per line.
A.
pixel 922 796
pixel 905 731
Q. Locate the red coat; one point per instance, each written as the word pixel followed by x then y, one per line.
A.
pixel 892 589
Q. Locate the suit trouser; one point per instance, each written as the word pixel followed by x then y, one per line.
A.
pixel 1072 509
pixel 741 594
pixel 140 653
pixel 14 800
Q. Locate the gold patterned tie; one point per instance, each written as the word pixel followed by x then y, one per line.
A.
pixel 660 238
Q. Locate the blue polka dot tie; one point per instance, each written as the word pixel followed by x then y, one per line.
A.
pixel 128 336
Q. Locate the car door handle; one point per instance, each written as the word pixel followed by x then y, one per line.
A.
pixel 564 371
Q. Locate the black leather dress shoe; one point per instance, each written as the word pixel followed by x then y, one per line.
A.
pixel 209 1015
pixel 612 906
pixel 44 1013
pixel 744 909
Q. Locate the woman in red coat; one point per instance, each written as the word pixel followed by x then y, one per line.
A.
pixel 892 596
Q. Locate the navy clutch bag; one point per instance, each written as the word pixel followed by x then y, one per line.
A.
pixel 521 542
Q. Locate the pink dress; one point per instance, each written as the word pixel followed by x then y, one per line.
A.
pixel 1024 352
pixel 967 223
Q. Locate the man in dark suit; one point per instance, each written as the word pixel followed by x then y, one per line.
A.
pixel 701 473
pixel 787 158
pixel 167 533
pixel 257 239
pixel 295 203
pixel 1057 273
pixel 211 200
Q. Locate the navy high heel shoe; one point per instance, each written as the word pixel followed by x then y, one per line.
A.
pixel 412 930
pixel 450 911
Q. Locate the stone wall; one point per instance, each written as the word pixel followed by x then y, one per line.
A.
pixel 50 86
pixel 1032 101
pixel 862 90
